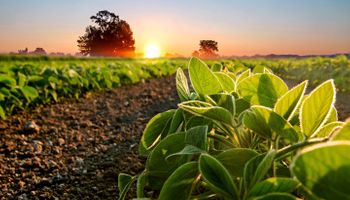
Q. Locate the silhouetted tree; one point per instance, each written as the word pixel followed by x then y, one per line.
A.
pixel 38 51
pixel 208 48
pixel 110 37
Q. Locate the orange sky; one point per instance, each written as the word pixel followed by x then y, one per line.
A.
pixel 240 27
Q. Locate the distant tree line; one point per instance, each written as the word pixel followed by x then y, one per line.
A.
pixel 37 51
pixel 42 52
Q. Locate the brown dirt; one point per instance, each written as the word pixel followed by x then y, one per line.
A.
pixel 82 145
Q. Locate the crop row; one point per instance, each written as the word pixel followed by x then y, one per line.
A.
pixel 31 81
pixel 314 69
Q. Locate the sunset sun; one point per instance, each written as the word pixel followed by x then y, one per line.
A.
pixel 152 51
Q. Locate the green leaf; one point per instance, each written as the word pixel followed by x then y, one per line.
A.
pixel 176 121
pixel 232 75
pixel 217 177
pixel 217 67
pixel 267 71
pixel 5 91
pixel 188 150
pixel 141 183
pixel 21 79
pixel 325 169
pixel 124 183
pixel 344 132
pixel 206 110
pixel 258 69
pixel 289 102
pixel 203 80
pixel 7 80
pixel 266 122
pixel 327 129
pixel 262 89
pixel 333 117
pixel 182 85
pixel 226 81
pixel 316 108
pixel 277 196
pixel 198 121
pixel 37 81
pixel 197 136
pixel 2 113
pixel 179 184
pixel 225 100
pixel 29 93
pixel 256 168
pixel 153 131
pixel 158 167
pixel 2 96
pixel 235 159
pixel 243 75
pixel 54 95
pixel 273 185
pixel 241 105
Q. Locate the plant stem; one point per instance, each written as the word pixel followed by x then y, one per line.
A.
pixel 221 139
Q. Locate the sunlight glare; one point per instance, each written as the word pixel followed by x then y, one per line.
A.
pixel 152 51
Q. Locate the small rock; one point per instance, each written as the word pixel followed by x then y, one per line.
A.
pixel 52 164
pixel 126 103
pixel 61 141
pixel 56 150
pixel 21 184
pixel 79 161
pixel 31 127
pixel 58 177
pixel 38 146
pixel 36 162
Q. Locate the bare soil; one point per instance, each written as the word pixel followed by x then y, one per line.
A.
pixel 80 146
pixel 75 149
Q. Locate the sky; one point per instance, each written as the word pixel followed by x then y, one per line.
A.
pixel 241 27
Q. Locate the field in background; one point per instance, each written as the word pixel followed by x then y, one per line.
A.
pixel 31 80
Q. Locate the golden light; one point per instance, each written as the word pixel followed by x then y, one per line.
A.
pixel 152 51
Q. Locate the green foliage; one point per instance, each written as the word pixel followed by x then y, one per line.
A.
pixel 203 80
pixel 325 169
pixel 182 85
pixel 290 101
pixel 274 185
pixel 316 108
pixel 269 124
pixel 30 81
pixel 262 89
pixel 173 189
pixel 228 142
pixel 234 134
pixel 159 125
pixel 217 177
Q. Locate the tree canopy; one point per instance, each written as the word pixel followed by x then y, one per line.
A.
pixel 207 49
pixel 111 36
